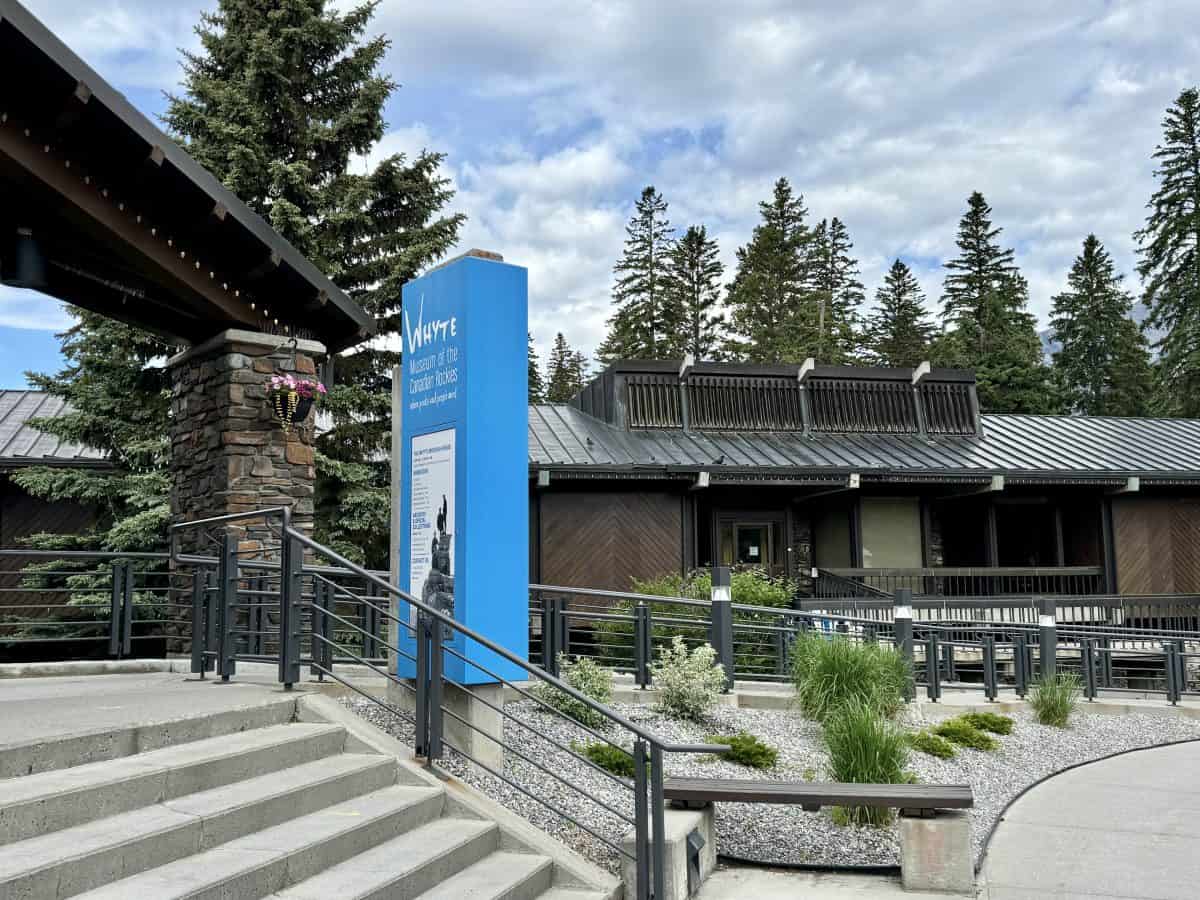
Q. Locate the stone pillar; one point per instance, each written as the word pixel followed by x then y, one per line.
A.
pixel 229 453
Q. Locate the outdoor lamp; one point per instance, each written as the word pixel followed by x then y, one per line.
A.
pixel 24 266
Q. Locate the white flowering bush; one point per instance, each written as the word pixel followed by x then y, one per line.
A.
pixel 589 678
pixel 688 682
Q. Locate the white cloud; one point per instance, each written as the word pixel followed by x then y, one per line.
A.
pixel 29 309
pixel 886 115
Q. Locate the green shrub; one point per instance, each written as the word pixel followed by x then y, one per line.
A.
pixel 865 748
pixel 963 733
pixel 935 745
pixel 1053 701
pixel 589 678
pixel 747 750
pixel 606 756
pixel 988 721
pixel 831 671
pixel 751 587
pixel 687 682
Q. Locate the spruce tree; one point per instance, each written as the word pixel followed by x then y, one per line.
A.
pixel 771 313
pixel 644 323
pixel 839 293
pixel 1103 366
pixel 899 331
pixel 1169 252
pixel 537 385
pixel 989 330
pixel 566 371
pixel 694 277
pixel 280 104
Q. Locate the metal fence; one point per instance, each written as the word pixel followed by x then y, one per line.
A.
pixel 951 581
pixel 80 604
pixel 1113 644
pixel 321 615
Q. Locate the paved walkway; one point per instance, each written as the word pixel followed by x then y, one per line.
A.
pixel 1126 828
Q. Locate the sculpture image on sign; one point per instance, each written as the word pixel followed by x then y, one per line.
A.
pixel 438 590
pixel 432 523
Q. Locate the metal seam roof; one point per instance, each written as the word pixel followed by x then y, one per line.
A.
pixel 22 444
pixel 1068 446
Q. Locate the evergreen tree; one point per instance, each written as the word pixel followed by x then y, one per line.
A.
pixel 984 306
pixel 839 294
pixel 567 371
pixel 119 395
pixel 769 300
pixel 644 323
pixel 1169 251
pixel 537 385
pixel 283 99
pixel 694 278
pixel 1103 366
pixel 899 331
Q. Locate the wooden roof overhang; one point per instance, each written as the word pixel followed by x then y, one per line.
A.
pixel 128 223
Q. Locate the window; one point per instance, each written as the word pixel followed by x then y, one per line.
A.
pixel 748 543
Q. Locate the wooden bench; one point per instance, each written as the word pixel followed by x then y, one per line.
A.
pixel 936 853
pixel 910 799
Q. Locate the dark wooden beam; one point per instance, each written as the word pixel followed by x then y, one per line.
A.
pixel 88 207
pixel 74 107
pixel 268 266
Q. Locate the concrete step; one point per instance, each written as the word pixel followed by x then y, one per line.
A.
pixel 500 876
pixel 405 866
pixel 572 893
pixel 45 755
pixel 49 801
pixel 67 862
pixel 271 860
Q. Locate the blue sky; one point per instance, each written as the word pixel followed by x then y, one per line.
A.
pixel 553 116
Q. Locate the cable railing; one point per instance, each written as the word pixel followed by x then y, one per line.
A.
pixel 959 581
pixel 75 604
pixel 321 615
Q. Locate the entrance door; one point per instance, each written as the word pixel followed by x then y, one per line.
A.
pixel 753 542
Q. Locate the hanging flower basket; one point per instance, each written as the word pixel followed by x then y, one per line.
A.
pixel 293 398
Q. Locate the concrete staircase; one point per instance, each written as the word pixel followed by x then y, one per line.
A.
pixel 259 804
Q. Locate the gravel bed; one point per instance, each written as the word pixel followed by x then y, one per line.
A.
pixel 769 833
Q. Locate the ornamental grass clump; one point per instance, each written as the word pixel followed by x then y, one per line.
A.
pixel 746 750
pixel 687 682
pixel 831 671
pixel 959 731
pixel 864 748
pixel 1054 699
pixel 589 678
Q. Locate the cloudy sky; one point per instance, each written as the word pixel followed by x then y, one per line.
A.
pixel 554 115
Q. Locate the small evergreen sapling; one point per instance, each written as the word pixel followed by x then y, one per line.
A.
pixel 746 750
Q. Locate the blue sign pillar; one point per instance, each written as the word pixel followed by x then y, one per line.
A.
pixel 464 499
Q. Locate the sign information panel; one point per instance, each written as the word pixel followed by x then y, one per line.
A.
pixel 464 492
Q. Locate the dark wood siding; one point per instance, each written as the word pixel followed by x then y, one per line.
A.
pixel 1157 545
pixel 604 540
pixel 21 516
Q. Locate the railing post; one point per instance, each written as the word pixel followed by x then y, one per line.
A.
pixel 127 611
pixel 643 644
pixel 1172 673
pixel 720 633
pixel 322 629
pixel 421 679
pixel 227 579
pixel 114 624
pixel 1181 665
pixel 1047 639
pixel 436 661
pixel 1087 653
pixel 902 621
pixel 1021 663
pixel 990 686
pixel 641 822
pixel 212 616
pixel 199 644
pixel 1106 676
pixel 658 818
pixel 933 668
pixel 549 635
pixel 370 622
pixel 562 630
pixel 290 623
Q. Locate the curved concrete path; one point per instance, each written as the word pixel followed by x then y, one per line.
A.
pixel 1126 828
